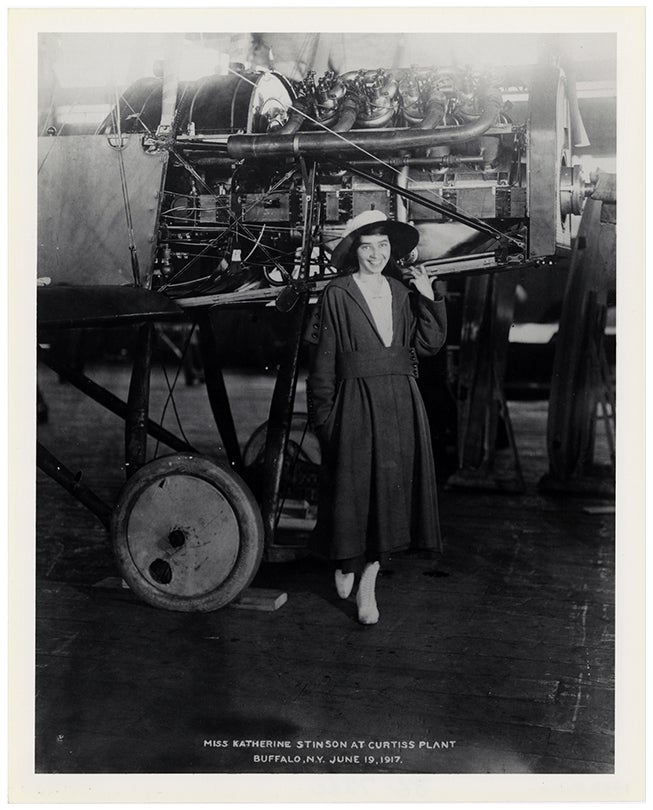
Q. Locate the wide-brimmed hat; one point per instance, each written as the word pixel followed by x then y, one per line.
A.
pixel 403 237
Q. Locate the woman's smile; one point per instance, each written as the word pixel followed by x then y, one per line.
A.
pixel 373 253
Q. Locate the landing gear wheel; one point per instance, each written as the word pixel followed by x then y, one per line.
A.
pixel 187 534
pixel 300 474
pixel 303 444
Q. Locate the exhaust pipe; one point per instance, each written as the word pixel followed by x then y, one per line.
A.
pixel 318 144
pixel 348 114
pixel 295 120
pixel 435 109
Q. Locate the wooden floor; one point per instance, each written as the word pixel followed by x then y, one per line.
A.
pixel 496 659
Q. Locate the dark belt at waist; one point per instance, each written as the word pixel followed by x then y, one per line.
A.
pixel 378 363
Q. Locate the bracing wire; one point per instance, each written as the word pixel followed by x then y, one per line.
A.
pixel 256 244
pixel 236 221
pixel 137 114
pixel 171 388
pixel 302 54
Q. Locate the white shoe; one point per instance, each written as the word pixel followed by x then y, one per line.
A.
pixel 344 583
pixel 368 612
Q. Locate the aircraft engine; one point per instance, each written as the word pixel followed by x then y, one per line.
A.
pixel 482 165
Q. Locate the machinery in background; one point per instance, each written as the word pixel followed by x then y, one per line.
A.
pixel 230 192
pixel 442 148
pixel 582 388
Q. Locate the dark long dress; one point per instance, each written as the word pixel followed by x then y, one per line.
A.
pixel 377 487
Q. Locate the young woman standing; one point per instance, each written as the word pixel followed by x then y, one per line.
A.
pixel 378 489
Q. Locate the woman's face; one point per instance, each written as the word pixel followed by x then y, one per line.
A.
pixel 373 253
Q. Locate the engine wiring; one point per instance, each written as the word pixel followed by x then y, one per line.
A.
pixel 186 218
pixel 236 222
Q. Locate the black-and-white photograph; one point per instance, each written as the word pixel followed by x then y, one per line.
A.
pixel 326 401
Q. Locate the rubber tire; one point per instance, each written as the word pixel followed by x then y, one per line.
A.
pixel 240 499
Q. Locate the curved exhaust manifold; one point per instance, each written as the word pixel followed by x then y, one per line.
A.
pixel 319 144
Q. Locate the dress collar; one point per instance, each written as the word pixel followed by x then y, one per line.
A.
pixel 399 295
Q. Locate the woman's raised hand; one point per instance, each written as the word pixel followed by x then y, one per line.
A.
pixel 418 277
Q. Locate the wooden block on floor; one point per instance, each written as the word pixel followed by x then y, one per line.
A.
pixel 294 524
pixel 260 599
pixel 112 583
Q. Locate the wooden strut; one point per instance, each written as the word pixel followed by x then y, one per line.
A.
pixel 469 412
pixel 578 382
pixel 482 399
pixel 609 433
pixel 601 373
pixel 51 466
pixel 138 401
pixel 505 413
pixel 283 397
pixel 108 400
pixel 608 416
pixel 217 392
